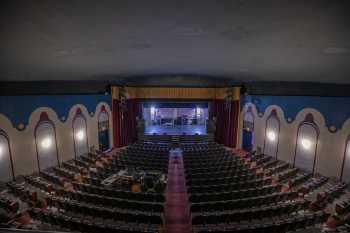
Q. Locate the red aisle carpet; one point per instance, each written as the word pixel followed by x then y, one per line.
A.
pixel 177 212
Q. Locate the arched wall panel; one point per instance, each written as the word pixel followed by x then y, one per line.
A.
pixel 272 133
pixel 6 165
pixel 249 118
pixel 103 130
pixel 306 146
pixel 345 176
pixel 19 119
pixel 46 144
pixel 80 135
pixel 248 130
pixel 332 138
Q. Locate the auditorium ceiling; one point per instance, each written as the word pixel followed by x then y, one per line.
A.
pixel 176 42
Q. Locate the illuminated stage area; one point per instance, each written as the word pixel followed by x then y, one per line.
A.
pixel 176 130
pixel 175 118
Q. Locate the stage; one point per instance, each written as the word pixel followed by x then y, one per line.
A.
pixel 176 130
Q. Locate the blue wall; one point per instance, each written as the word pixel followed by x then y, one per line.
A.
pixel 19 108
pixel 336 110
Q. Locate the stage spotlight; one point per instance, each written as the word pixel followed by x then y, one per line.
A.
pixel 271 135
pixel 306 143
pixel 46 143
pixel 80 135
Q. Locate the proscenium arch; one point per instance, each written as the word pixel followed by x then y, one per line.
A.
pixel 44 155
pixel 272 125
pixel 306 158
pixel 81 147
pixel 345 170
pixel 6 163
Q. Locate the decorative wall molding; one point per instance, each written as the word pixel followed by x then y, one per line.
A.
pixel 22 142
pixel 334 110
pixel 18 109
pixel 330 148
pixel 181 93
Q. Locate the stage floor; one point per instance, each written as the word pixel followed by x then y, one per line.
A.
pixel 176 130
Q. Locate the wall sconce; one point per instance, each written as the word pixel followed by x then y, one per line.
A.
pixel 306 143
pixel 271 135
pixel 80 135
pixel 46 143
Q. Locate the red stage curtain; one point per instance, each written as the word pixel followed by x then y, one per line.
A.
pixel 129 126
pixel 233 126
pixel 226 121
pixel 116 123
pixel 219 112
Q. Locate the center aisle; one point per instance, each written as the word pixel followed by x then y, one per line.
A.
pixel 177 211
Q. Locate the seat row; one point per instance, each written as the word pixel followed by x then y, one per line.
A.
pixel 230 186
pixel 275 225
pixel 142 159
pixel 202 154
pixel 115 202
pixel 154 152
pixel 220 173
pixel 96 211
pixel 299 179
pixel 312 184
pixel 248 214
pixel 276 169
pixel 224 179
pixel 235 194
pixel 192 166
pixel 243 202
pixel 223 159
pixel 209 169
pixel 76 223
pixel 122 194
pixel 157 155
pixel 142 165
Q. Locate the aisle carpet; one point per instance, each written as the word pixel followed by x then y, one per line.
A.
pixel 177 211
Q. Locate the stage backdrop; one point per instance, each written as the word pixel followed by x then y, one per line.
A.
pixel 127 107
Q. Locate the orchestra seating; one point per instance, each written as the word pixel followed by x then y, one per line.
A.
pixel 72 197
pixel 254 193
pixel 227 192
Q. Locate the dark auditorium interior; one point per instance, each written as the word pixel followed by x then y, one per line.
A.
pixel 228 116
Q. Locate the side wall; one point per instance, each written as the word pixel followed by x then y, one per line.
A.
pixel 19 116
pixel 330 114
